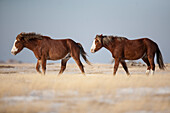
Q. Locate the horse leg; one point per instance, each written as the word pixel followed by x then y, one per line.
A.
pixel 77 59
pixel 80 65
pixel 43 65
pixel 117 60
pixel 125 66
pixel 145 59
pixel 63 65
pixel 151 61
pixel 38 66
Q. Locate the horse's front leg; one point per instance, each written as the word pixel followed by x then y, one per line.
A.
pixel 125 66
pixel 43 60
pixel 117 60
pixel 38 66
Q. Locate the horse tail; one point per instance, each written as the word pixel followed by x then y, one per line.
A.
pixel 83 53
pixel 160 59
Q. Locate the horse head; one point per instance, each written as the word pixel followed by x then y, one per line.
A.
pixel 18 44
pixel 97 43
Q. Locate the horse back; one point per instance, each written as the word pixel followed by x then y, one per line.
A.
pixel 145 42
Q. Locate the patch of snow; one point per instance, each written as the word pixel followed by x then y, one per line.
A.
pixel 20 98
pixel 164 90
pixel 46 94
pixel 137 93
pixel 143 111
pixel 142 91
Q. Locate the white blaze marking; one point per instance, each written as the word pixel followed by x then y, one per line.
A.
pixel 93 46
pixel 14 49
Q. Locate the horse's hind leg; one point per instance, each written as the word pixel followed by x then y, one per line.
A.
pixel 79 64
pixel 151 61
pixel 145 59
pixel 76 56
pixel 63 64
pixel 125 66
pixel 38 66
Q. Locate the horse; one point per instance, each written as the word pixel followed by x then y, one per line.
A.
pixel 123 49
pixel 45 48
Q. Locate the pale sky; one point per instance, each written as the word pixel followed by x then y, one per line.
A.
pixel 81 20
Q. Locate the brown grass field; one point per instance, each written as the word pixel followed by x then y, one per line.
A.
pixel 22 90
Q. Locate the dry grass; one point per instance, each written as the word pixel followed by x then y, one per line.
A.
pixel 75 93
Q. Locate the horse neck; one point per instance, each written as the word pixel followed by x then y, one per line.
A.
pixel 31 44
pixel 109 45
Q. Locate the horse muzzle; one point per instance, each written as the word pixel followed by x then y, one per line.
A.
pixel 13 53
pixel 92 51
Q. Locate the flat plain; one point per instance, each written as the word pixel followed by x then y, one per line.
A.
pixel 23 90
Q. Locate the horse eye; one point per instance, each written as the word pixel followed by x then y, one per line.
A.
pixel 97 41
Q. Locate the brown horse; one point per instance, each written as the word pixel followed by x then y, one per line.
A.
pixel 123 49
pixel 46 48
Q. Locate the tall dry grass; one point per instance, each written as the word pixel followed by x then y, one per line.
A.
pixel 75 93
pixel 20 84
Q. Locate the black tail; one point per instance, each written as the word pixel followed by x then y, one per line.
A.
pixel 83 53
pixel 160 59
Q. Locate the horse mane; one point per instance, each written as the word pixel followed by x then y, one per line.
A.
pixel 119 38
pixel 29 36
pixel 108 39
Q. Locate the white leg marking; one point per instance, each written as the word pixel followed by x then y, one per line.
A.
pixel 147 72
pixel 93 46
pixel 14 49
pixel 152 72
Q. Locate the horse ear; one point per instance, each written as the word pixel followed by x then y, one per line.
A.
pixel 101 35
